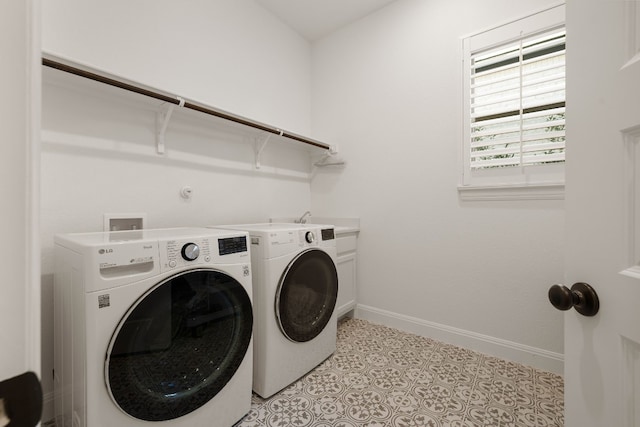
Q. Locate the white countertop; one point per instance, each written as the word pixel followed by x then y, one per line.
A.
pixel 341 225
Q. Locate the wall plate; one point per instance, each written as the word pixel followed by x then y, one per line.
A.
pixel 124 221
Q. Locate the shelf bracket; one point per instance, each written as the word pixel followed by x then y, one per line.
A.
pixel 162 121
pixel 259 147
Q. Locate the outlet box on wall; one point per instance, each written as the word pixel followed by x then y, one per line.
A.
pixel 126 221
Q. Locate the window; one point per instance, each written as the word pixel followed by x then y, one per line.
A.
pixel 515 104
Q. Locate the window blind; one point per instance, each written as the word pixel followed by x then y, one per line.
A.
pixel 518 102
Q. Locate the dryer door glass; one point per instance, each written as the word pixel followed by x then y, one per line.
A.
pixel 307 295
pixel 179 345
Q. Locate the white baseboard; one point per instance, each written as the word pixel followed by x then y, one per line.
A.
pixel 47 407
pixel 508 350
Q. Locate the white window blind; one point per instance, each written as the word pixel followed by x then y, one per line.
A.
pixel 517 102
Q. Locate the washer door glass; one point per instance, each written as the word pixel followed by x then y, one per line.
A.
pixel 306 295
pixel 179 345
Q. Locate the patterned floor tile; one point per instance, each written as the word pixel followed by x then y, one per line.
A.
pixel 380 376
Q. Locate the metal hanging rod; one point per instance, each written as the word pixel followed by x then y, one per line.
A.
pixel 179 101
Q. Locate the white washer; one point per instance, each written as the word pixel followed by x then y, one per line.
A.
pixel 153 328
pixel 295 287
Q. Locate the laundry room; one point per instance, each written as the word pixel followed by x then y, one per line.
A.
pixel 383 90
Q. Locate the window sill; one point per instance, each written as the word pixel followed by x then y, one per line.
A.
pixel 551 191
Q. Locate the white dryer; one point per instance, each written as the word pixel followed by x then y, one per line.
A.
pixel 152 328
pixel 295 287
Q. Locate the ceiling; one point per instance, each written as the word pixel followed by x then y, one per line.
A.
pixel 314 19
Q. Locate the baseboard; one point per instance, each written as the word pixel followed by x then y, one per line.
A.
pixel 47 407
pixel 509 350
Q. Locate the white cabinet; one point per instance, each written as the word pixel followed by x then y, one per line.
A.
pixel 346 244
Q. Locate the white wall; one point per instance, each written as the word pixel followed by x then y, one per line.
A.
pixel 98 148
pixel 231 54
pixel 387 90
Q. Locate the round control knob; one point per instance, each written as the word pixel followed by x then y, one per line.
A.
pixel 190 251
pixel 309 237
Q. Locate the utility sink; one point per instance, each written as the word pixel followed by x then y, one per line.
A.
pixel 341 225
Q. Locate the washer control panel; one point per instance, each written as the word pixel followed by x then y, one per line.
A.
pixel 328 234
pixel 179 253
pixel 196 251
pixel 315 236
pixel 232 245
pixel 309 237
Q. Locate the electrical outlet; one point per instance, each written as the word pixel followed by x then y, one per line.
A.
pixel 128 221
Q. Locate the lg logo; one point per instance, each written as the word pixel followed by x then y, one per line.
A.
pixel 105 251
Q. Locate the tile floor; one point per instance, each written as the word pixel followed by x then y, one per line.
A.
pixel 380 376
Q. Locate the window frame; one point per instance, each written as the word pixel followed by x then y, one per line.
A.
pixel 517 182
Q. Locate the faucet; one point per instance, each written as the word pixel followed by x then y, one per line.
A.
pixel 303 218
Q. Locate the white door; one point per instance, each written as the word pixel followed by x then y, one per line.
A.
pixel 602 353
pixel 19 136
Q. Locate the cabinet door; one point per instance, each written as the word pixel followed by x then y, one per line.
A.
pixel 346 265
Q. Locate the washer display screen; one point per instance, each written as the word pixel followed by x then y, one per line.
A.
pixel 179 345
pixel 307 295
